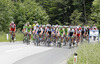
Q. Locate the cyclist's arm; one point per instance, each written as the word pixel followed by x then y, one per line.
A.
pixel 30 29
pixel 15 29
pixel 80 32
pixel 41 31
pixel 67 33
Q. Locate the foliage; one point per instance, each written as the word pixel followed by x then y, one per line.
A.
pixel 75 16
pixel 6 14
pixel 29 13
pixel 48 11
pixel 21 12
pixel 96 10
pixel 57 10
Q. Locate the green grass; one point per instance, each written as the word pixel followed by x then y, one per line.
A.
pixel 87 54
pixel 19 37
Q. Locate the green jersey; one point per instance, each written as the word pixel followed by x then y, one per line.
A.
pixel 61 31
pixel 66 30
pixel 28 28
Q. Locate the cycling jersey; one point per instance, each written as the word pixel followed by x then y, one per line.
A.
pixel 70 33
pixel 75 31
pixel 34 26
pixel 87 31
pixel 54 31
pixel 28 28
pixel 43 31
pixel 61 31
pixel 57 30
pixel 78 33
pixel 13 26
pixel 66 31
pixel 49 31
pixel 82 31
pixel 39 31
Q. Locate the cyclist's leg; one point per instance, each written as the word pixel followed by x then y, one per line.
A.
pixel 14 34
pixel 30 36
pixel 61 38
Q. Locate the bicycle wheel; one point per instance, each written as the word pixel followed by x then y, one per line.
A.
pixel 11 39
pixel 28 39
pixel 24 40
pixel 70 43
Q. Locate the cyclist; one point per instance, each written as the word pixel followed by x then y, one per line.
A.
pixel 54 34
pixel 82 33
pixel 74 34
pixel 71 36
pixel 78 35
pixel 87 32
pixel 34 25
pixel 12 28
pixel 61 30
pixel 65 33
pixel 49 32
pixel 44 32
pixel 39 32
pixel 28 29
pixel 94 28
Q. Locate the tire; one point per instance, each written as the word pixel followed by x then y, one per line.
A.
pixel 23 40
pixel 70 43
pixel 28 40
pixel 48 44
pixel 59 45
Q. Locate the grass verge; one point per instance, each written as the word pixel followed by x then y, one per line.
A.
pixel 3 38
pixel 87 54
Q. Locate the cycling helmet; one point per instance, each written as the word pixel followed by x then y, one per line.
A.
pixel 12 22
pixel 37 25
pixel 88 27
pixel 52 25
pixel 60 27
pixel 35 21
pixel 28 23
pixel 48 25
pixel 43 25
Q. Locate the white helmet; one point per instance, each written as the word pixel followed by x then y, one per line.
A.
pixel 12 22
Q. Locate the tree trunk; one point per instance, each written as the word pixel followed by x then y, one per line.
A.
pixel 84 10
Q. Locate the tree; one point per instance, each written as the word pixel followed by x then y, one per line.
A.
pixel 84 6
pixel 95 16
pixel 75 17
pixel 29 13
pixel 6 14
pixel 21 12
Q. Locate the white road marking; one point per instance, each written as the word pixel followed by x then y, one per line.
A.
pixel 12 50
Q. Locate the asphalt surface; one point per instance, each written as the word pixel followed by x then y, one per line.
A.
pixel 53 56
pixel 19 53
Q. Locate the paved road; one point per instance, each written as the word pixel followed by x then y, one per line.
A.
pixel 19 53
